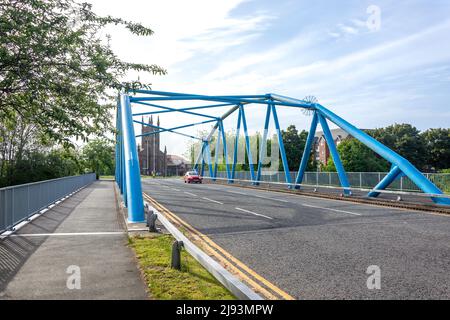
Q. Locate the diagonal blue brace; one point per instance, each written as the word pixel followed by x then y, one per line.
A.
pixel 225 149
pixel 282 150
pixel 262 147
pixel 216 155
pixel 307 151
pixel 135 201
pixel 236 145
pixel 200 155
pixel 386 181
pixel 208 159
pixel 247 144
pixel 334 154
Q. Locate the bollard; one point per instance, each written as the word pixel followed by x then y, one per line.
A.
pixel 151 219
pixel 176 254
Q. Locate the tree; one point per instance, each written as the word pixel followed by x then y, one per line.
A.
pixel 294 145
pixel 404 139
pixel 437 142
pixel 98 157
pixel 55 68
pixel 356 157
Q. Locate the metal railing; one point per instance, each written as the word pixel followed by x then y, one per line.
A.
pixel 18 203
pixel 362 180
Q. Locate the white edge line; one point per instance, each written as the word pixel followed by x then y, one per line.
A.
pixel 254 213
pixel 212 200
pixel 331 209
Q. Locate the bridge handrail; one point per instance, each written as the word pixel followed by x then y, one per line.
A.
pixel 20 202
pixel 416 193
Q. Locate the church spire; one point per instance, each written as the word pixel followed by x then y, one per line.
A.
pixel 151 119
pixel 158 122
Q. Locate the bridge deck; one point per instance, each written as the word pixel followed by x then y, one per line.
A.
pixel 318 248
pixel 85 231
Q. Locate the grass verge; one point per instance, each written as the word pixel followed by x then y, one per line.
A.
pixel 192 282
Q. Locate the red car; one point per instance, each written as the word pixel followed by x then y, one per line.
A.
pixel 192 177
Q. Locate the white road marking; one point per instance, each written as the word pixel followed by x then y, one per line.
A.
pixel 274 199
pixel 331 209
pixel 253 195
pixel 254 213
pixel 175 189
pixel 191 194
pixel 67 234
pixel 212 200
pixel 237 192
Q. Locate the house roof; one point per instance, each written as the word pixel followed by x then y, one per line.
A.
pixel 173 159
pixel 335 133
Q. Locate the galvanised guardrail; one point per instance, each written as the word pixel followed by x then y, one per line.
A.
pixel 18 203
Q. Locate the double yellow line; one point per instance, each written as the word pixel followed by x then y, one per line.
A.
pixel 235 266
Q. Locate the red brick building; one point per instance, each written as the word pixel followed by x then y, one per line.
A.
pixel 321 151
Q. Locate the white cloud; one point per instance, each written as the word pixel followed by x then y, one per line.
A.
pixel 351 82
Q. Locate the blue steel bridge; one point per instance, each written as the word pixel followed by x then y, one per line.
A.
pixel 127 170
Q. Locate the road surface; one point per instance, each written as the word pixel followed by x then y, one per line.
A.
pixel 315 248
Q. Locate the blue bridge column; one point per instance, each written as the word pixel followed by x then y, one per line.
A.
pixel 386 181
pixel 334 154
pixel 135 202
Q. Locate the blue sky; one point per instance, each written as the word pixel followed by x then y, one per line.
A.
pixel 398 73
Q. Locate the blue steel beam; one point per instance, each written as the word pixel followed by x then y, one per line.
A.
pixel 236 145
pixel 225 149
pixel 216 155
pixel 307 151
pixel 386 181
pixel 281 146
pixel 168 109
pixel 171 129
pixel 199 158
pixel 134 190
pixel 334 154
pixel 184 109
pixel 177 94
pixel 262 147
pixel 118 150
pixel 305 105
pixel 247 144
pixel 208 159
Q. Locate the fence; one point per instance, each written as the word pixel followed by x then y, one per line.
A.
pixel 366 180
pixel 18 203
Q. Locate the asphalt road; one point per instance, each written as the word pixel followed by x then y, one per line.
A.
pixel 318 248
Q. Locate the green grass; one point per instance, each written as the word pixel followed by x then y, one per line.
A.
pixel 164 283
pixel 107 177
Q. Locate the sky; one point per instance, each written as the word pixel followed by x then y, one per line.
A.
pixel 374 63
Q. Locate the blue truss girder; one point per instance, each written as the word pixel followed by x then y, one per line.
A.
pixel 168 109
pixel 127 165
pixel 161 129
pixel 307 151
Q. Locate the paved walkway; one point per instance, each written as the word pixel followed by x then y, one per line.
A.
pixel 84 232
